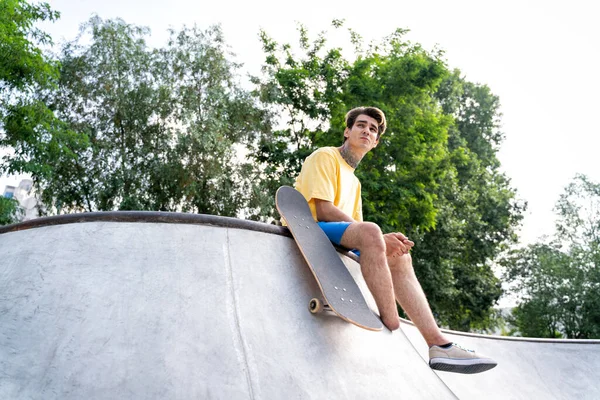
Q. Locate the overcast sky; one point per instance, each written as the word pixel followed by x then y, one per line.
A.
pixel 540 57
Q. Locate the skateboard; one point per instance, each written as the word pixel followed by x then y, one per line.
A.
pixel 340 292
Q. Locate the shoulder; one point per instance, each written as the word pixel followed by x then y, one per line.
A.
pixel 324 153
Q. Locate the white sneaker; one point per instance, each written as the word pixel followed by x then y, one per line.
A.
pixel 458 359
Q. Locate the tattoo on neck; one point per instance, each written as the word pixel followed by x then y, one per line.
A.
pixel 350 158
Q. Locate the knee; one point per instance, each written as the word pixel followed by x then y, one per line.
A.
pixel 402 263
pixel 371 237
pixel 392 324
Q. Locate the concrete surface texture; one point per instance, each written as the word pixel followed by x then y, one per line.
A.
pixel 115 310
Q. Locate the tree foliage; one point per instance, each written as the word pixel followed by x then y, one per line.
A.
pixel 435 173
pixel 23 65
pixel 25 72
pixel 477 210
pixel 217 119
pixel 10 211
pixel 558 282
pixel 141 128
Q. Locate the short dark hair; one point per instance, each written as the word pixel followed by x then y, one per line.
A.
pixel 372 112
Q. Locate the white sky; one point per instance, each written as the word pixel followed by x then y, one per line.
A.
pixel 540 57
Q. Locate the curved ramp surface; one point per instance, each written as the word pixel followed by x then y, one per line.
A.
pixel 527 368
pixel 95 309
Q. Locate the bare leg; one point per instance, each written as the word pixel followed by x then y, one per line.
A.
pixel 367 238
pixel 412 299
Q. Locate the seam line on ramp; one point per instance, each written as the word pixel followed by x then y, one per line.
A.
pixel 439 378
pixel 239 343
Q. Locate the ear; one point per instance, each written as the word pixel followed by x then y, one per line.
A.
pixel 346 132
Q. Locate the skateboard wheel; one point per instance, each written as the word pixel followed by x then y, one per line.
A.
pixel 315 306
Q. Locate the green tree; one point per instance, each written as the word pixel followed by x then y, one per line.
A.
pixel 216 119
pixel 10 212
pixel 558 282
pixel 540 267
pixel 477 210
pixel 145 129
pixel 110 93
pixel 28 128
pixel 23 65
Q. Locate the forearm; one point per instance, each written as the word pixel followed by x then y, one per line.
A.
pixel 327 212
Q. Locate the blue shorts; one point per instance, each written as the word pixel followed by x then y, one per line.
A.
pixel 334 231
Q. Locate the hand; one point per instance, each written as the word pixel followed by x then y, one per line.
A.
pixel 397 244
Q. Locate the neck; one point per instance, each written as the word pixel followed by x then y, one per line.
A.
pixel 351 158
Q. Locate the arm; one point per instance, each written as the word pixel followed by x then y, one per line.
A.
pixel 327 212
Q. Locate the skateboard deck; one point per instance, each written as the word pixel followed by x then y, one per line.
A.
pixel 341 293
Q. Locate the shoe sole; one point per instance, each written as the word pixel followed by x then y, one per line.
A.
pixel 473 368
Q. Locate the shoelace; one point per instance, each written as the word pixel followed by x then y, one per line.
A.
pixel 462 348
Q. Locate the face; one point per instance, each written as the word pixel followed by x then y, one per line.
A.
pixel 363 134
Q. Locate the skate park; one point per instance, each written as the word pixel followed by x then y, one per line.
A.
pixel 151 305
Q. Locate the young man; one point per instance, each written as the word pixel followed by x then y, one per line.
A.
pixel 333 192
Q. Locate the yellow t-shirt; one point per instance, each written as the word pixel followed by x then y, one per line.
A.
pixel 327 176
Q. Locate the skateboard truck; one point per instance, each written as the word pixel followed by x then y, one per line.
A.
pixel 316 306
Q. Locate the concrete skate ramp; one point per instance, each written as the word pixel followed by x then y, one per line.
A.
pixel 527 368
pixel 176 306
